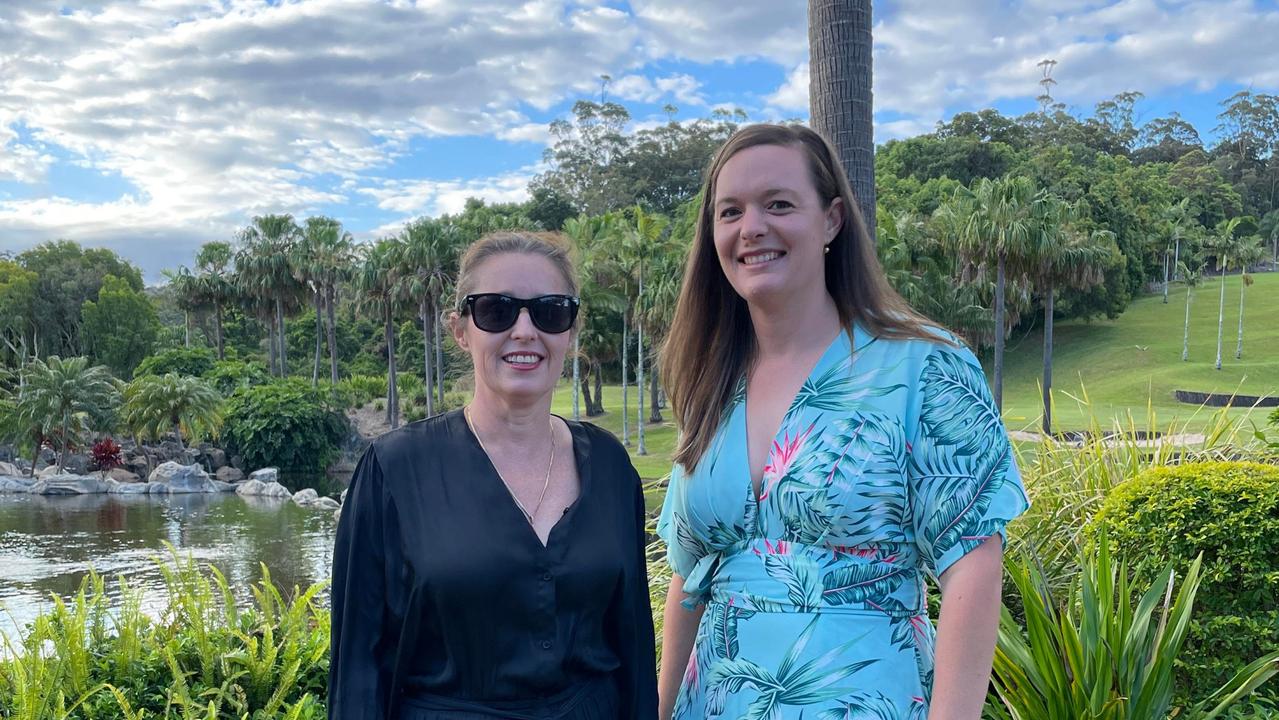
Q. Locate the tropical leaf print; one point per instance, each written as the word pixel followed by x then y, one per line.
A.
pixel 688 540
pixel 852 584
pixel 864 706
pixel 838 388
pixel 799 573
pixel 962 508
pixel 723 619
pixel 958 410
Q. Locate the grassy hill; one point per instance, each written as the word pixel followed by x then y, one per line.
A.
pixel 1121 364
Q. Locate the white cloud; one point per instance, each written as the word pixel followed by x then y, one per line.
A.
pixel 414 198
pixel 680 88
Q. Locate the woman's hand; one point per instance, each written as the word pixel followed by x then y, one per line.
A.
pixel 966 633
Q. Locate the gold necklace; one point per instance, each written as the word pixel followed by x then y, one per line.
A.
pixel 466 413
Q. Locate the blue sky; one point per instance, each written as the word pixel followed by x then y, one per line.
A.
pixel 153 126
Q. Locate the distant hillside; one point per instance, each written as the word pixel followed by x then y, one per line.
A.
pixel 1126 362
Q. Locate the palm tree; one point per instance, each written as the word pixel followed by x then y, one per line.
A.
pixel 661 295
pixel 841 104
pixel 1060 255
pixel 216 286
pixel 1248 252
pixel 377 283
pixel 187 295
pixel 1176 221
pixel 595 265
pixel 1191 273
pixel 993 226
pixel 1222 245
pixel 65 396
pixel 427 262
pixel 264 268
pixel 321 259
pixel 640 239
pixel 157 404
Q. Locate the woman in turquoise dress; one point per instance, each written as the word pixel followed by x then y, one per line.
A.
pixel 835 449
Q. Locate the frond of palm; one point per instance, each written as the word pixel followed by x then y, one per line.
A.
pixel 155 405
pixel 427 259
pixel 66 395
pixel 377 276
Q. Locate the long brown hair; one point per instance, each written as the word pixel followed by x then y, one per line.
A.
pixel 711 342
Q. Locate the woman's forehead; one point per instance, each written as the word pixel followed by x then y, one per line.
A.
pixel 518 273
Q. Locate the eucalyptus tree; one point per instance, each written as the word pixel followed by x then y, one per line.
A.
pixel 157 404
pixel 1191 272
pixel 640 240
pixel 1222 245
pixel 216 285
pixel 64 397
pixel 993 225
pixel 426 268
pixel 1061 255
pixel 17 311
pixel 377 287
pixel 264 268
pixel 1247 252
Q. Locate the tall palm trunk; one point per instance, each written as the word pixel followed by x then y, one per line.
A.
pixel 1185 334
pixel 62 449
pixel 392 388
pixel 654 397
pixel 330 302
pixel 1048 360
pixel 577 374
pixel 177 433
pixel 217 330
pixel 428 373
pixel 599 390
pixel 840 98
pixel 1165 277
pixel 1221 315
pixel 186 325
pixel 626 341
pixel 1243 283
pixel 270 347
pixel 319 338
pixel 998 383
pixel 1176 258
pixel 439 361
pixel 640 449
pixel 284 355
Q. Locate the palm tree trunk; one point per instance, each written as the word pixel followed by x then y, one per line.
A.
pixel 319 339
pixel 177 433
pixel 270 347
pixel 654 404
pixel 585 390
pixel 998 383
pixel 35 454
pixel 62 451
pixel 839 90
pixel 333 344
pixel 439 360
pixel 626 341
pixel 1185 334
pixel 1221 315
pixel 284 355
pixel 186 324
pixel 217 330
pixel 1243 283
pixel 1165 277
pixel 577 374
pixel 599 390
pixel 641 449
pixel 1048 361
pixel 427 371
pixel 392 390
pixel 1176 258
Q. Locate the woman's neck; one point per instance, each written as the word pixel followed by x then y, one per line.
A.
pixel 503 422
pixel 794 328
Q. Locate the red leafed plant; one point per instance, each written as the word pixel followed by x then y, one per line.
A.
pixel 105 455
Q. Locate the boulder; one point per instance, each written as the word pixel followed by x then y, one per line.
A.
pixel 228 474
pixel 121 475
pixel 223 486
pixel 325 503
pixel 305 497
pixel 16 484
pixel 8 468
pixel 266 475
pixel 76 464
pixel 257 488
pixel 217 459
pixel 130 488
pixel 183 478
pixel 68 484
pixel 48 471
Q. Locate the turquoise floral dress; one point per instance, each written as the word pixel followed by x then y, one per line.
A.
pixel 891 463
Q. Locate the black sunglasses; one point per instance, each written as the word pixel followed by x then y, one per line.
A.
pixel 495 312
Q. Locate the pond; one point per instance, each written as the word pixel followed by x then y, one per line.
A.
pixel 48 543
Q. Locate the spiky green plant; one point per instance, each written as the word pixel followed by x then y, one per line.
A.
pixel 155 405
pixel 63 398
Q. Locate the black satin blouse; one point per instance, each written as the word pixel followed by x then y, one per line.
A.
pixel 443 595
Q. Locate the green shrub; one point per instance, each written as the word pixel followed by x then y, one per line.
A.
pixel 201 657
pixel 363 388
pixel 194 362
pixel 1229 512
pixel 230 375
pixel 287 424
pixel 454 400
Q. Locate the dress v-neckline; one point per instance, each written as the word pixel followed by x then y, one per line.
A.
pixel 580 450
pixel 839 342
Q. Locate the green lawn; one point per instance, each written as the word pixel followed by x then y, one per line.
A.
pixel 1125 363
pixel 1122 364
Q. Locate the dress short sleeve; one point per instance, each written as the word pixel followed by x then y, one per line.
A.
pixel 683 549
pixel 963 479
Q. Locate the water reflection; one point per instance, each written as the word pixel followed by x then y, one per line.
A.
pixel 47 544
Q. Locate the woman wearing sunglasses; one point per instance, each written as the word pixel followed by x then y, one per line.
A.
pixel 490 561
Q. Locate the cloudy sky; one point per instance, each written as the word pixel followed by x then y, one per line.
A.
pixel 152 126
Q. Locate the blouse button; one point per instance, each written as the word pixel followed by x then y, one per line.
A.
pixel 546 644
